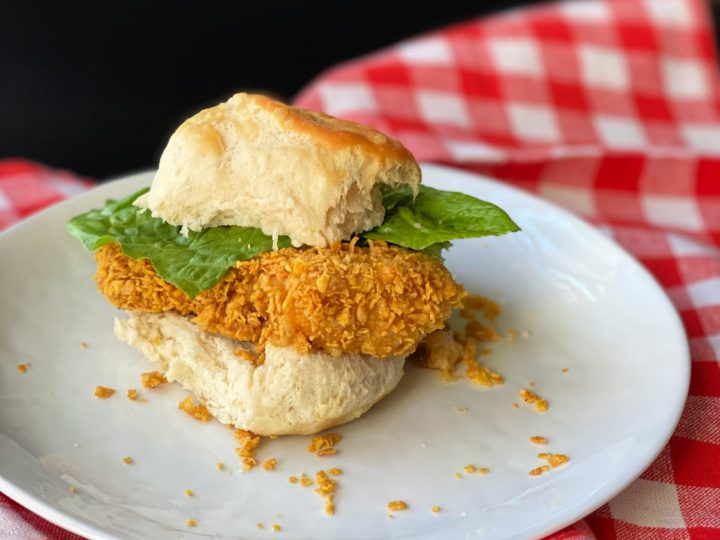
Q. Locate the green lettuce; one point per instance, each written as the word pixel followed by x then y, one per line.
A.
pixel 436 217
pixel 199 260
pixel 193 263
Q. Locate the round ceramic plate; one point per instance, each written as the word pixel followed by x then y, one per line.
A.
pixel 595 334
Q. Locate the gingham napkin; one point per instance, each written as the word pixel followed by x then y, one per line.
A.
pixel 609 108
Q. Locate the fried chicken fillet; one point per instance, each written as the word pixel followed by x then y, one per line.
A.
pixel 378 300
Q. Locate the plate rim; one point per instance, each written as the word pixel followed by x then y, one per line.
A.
pixel 569 516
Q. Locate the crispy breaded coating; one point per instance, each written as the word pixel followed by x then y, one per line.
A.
pixel 380 300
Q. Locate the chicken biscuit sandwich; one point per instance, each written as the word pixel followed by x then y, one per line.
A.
pixel 283 264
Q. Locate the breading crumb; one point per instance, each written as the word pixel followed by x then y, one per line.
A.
pixel 390 516
pixel 323 445
pixel 435 509
pixel 479 331
pixel 293 479
pixel 249 443
pixel 474 302
pixel 469 469
pixel 191 523
pixel 335 471
pixel 127 460
pixel 554 460
pixel 152 379
pixel 326 487
pixel 515 405
pixel 73 490
pixel 531 398
pixel 260 525
pixel 476 372
pixel 483 470
pixel 220 466
pixel 269 464
pixel 198 412
pixel 396 506
pixel 457 475
pixel 329 505
pixel 83 345
pixel 258 359
pixel 565 370
pixel 276 527
pixel 305 480
pixel 22 368
pixel 189 493
pixel 132 394
pixel 537 471
pixel 537 439
pixel 103 392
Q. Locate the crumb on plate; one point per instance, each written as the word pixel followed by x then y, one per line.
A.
pixel 396 506
pixel 305 480
pixel 475 371
pixel 326 488
pixel 103 392
pixel 324 445
pixel 249 443
pixel 22 368
pixel 531 398
pixel 537 439
pixel 127 460
pixel 269 464
pixel 191 523
pixel 474 302
pixel 537 471
pixel 198 412
pixel 435 509
pixel 554 460
pixel 132 394
pixel 152 379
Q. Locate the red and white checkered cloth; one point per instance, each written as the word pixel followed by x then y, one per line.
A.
pixel 610 108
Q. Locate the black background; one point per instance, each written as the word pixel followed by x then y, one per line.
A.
pixel 97 88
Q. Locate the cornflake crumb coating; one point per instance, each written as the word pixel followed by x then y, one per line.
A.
pixel 379 300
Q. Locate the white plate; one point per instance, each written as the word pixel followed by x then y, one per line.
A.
pixel 588 305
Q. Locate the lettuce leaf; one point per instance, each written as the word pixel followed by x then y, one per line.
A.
pixel 193 263
pixel 199 260
pixel 435 217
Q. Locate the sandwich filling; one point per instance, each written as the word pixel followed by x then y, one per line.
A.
pixel 379 300
pixel 380 293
